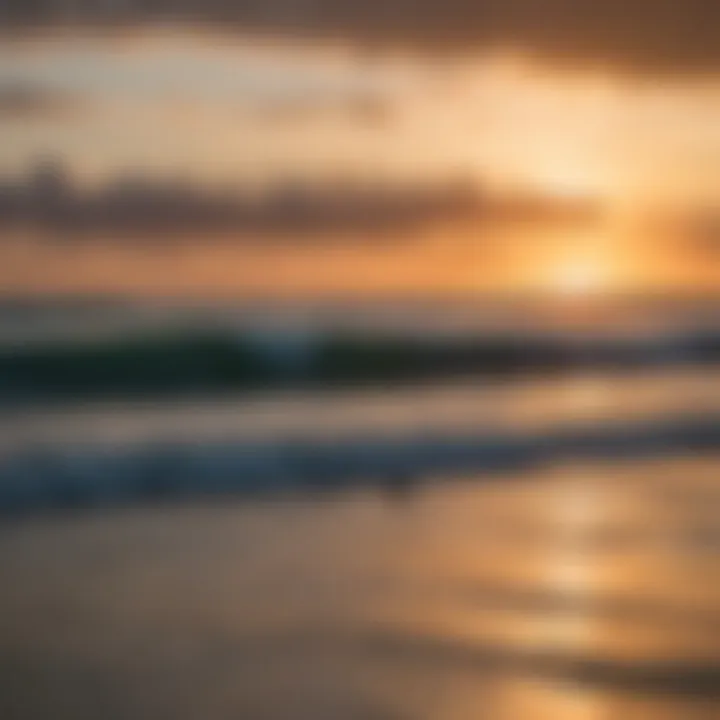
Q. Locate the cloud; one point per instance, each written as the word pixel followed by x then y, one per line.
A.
pixel 27 102
pixel 141 206
pixel 654 35
pixel 365 110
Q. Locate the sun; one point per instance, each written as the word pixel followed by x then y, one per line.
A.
pixel 579 277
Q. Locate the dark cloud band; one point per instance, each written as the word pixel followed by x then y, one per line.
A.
pixel 26 102
pixel 647 35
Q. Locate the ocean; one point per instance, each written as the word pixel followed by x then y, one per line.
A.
pixel 539 546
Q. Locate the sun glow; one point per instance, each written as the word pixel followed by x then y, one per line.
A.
pixel 571 187
pixel 578 279
pixel 580 276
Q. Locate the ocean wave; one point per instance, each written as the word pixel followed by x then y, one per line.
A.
pixel 75 475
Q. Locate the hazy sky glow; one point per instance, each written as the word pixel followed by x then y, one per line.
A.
pixel 233 109
pixel 241 109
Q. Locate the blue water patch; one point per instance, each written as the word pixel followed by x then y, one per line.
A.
pixel 77 475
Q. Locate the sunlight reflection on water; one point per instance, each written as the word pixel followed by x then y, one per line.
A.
pixel 498 598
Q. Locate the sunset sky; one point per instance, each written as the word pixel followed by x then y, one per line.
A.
pixel 642 141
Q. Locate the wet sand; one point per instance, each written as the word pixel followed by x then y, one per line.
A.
pixel 585 591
